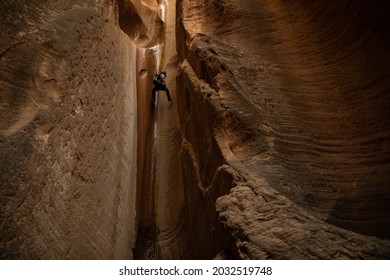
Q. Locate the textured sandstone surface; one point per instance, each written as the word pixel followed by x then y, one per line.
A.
pixel 67 129
pixel 291 99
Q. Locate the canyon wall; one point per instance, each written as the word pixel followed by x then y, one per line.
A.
pixel 68 131
pixel 284 111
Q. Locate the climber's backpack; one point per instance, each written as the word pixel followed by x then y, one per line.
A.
pixel 157 79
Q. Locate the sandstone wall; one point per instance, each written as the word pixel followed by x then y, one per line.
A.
pixel 285 105
pixel 68 131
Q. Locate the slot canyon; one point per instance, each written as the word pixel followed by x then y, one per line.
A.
pixel 276 144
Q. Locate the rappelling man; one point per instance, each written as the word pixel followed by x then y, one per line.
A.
pixel 159 84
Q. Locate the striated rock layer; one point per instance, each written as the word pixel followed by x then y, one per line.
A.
pixel 284 111
pixel 68 131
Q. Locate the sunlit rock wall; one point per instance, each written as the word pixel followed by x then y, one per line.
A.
pixel 291 100
pixel 67 131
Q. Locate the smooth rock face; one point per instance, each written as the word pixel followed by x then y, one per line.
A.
pixel 67 130
pixel 291 99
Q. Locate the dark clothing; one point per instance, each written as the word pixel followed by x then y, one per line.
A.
pixel 160 86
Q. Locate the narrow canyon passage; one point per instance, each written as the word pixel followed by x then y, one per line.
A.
pixel 169 197
pixel 276 144
pixel 162 203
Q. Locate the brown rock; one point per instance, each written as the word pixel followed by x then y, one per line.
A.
pixel 68 120
pixel 294 98
pixel 276 145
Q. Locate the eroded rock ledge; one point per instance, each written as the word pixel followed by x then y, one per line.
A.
pixel 295 113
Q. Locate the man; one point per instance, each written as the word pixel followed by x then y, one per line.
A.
pixel 159 84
